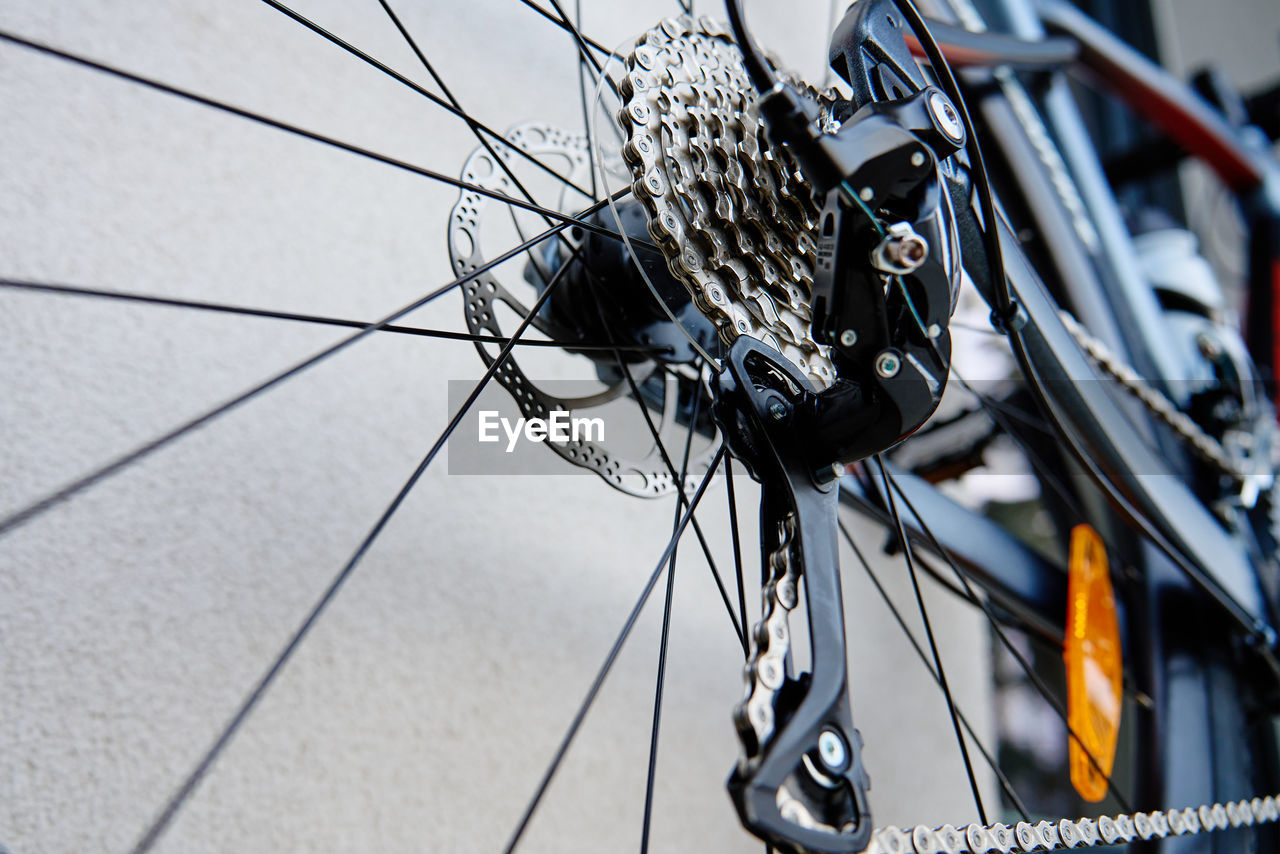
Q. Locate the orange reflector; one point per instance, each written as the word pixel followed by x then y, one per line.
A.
pixel 1094 664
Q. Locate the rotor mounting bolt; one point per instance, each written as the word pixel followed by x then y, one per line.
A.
pixel 832 750
pixel 848 338
pixel 900 251
pixel 887 364
pixel 946 117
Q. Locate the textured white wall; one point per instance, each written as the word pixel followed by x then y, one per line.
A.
pixel 425 705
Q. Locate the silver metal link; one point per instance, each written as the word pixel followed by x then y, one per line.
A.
pixel 765 670
pixel 951 840
pixel 1073 833
pixel 925 841
pixel 1028 838
pixel 1003 835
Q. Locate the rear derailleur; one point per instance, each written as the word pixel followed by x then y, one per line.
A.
pixel 884 291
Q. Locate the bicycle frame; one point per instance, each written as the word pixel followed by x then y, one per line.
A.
pixel 1105 277
pixel 1051 173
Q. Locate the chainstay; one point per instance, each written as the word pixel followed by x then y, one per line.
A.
pixel 1073 833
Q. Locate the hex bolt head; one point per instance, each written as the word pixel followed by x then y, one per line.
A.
pixel 848 338
pixel 888 364
pixel 832 750
pixel 777 410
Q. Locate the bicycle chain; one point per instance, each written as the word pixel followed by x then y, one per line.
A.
pixel 1208 448
pixel 1065 833
pixel 733 215
pixel 729 212
pixel 765 672
pixel 766 668
pixel 1080 833
pixel 756 714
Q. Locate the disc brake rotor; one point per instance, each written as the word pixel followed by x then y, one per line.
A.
pixel 647 476
pixel 731 212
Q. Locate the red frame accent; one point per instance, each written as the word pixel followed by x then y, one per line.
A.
pixel 1146 87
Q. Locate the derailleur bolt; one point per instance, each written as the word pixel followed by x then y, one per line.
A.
pixel 848 338
pixel 832 750
pixel 900 251
pixel 1208 346
pixel 944 113
pixel 778 410
pixel 887 364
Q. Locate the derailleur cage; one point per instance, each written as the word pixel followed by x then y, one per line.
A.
pixel 803 788
pixel 885 285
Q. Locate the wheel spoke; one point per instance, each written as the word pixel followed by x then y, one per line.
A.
pixel 475 127
pixel 933 645
pixel 662 648
pixel 697 529
pixel 31 511
pixel 578 37
pixel 582 41
pixel 317 137
pixel 611 658
pixel 192 781
pixel 451 104
pixel 1005 785
pixel 1043 469
pixel 586 104
pixel 199 305
pixel 656 435
pixel 1036 680
pixel 733 533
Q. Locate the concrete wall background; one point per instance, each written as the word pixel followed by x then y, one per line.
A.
pixel 425 705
